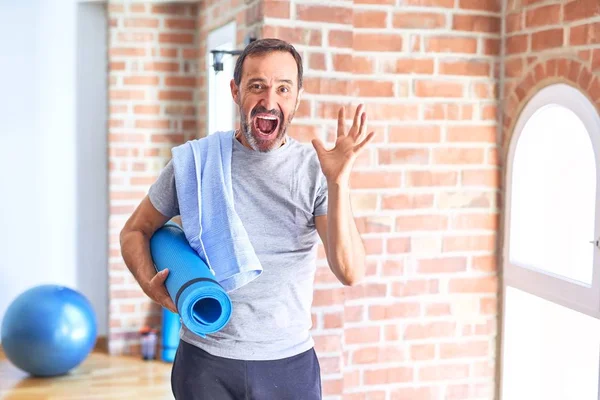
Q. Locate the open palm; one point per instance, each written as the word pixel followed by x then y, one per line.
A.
pixel 337 162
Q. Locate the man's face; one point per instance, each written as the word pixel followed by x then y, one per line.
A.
pixel 267 98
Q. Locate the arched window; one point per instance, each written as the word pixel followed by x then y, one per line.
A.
pixel 551 286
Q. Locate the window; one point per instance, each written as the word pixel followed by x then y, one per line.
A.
pixel 221 110
pixel 551 320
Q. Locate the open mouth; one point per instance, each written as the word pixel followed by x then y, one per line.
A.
pixel 266 125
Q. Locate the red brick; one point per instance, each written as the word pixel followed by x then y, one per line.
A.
pixel 438 310
pixel 469 243
pixel 328 297
pixel 327 343
pixel 446 44
pixel 514 22
pixel 443 372
pixel 580 9
pixel 458 155
pixel 469 349
pixel 372 88
pixel 429 3
pixel 418 20
pixel 360 335
pixel 398 245
pixel 369 19
pixel 366 290
pixel 484 263
pixel 161 66
pixel 422 352
pixel 140 37
pixel 180 23
pixel 442 265
pixel 407 201
pixel 377 42
pixel 127 52
pixel 475 221
pixel 483 5
pixel 184 81
pixel 437 88
pixel 541 16
pixel 377 355
pixel 383 376
pixel 179 38
pixel 126 94
pixel 418 393
pixel 517 44
pixel 152 124
pixel 465 68
pixel 415 287
pixel 141 22
pixel 316 61
pixel 176 95
pixel 547 39
pixel 472 133
pixel 488 306
pixel 476 23
pixel 403 156
pixel 170 9
pixel 376 179
pixel 392 268
pixel 489 178
pixel 430 330
pixel 487 284
pixel 411 66
pixel 276 9
pixel 317 13
pixel 431 178
pixel 394 311
pixel 415 134
pixel 421 223
pixel 141 80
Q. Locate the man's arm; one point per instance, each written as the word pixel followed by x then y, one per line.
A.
pixel 342 242
pixel 135 249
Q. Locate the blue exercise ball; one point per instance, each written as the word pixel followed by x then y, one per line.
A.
pixel 48 330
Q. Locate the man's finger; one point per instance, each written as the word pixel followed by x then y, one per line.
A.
pixel 341 129
pixel 362 144
pixel 356 119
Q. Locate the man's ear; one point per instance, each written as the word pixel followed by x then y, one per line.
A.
pixel 300 93
pixel 235 92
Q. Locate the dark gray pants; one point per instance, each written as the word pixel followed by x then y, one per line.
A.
pixel 198 375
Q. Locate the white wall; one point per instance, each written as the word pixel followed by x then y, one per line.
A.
pixel 42 209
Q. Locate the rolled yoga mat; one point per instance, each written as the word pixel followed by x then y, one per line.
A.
pixel 202 304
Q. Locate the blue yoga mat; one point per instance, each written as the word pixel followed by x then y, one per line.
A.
pixel 202 304
pixel 170 334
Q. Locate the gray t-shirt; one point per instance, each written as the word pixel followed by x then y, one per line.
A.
pixel 276 195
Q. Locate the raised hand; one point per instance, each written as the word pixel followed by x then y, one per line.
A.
pixel 337 162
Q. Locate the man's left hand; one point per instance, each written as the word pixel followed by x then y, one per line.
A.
pixel 337 162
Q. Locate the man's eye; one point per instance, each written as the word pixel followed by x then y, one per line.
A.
pixel 285 89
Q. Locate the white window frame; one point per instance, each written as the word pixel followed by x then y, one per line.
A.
pixel 222 38
pixel 554 288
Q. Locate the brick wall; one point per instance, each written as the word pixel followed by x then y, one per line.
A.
pixel 153 54
pixel 547 42
pixel 423 326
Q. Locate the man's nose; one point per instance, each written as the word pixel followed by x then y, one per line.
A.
pixel 269 100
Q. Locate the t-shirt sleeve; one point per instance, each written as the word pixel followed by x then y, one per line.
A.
pixel 163 193
pixel 321 200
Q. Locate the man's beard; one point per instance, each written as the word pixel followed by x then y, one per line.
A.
pixel 254 140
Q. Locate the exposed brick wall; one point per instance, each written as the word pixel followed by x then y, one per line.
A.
pixel 423 326
pixel 547 42
pixel 153 100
